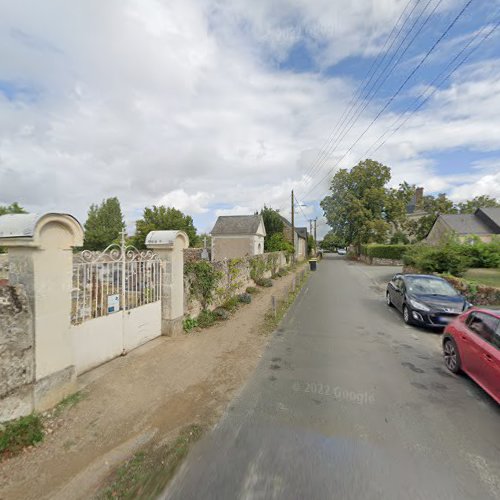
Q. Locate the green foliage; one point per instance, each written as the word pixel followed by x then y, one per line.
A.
pixel 13 208
pixel 375 250
pixel 276 243
pixel 446 258
pixel 251 290
pixel 257 267
pixel 103 225
pixel 245 298
pixel 282 272
pixel 483 201
pixel 399 238
pixel 206 318
pixel 274 225
pixel 189 323
pixel 158 218
pixel 231 304
pixel 311 245
pixel 221 313
pixel 272 263
pixel 481 254
pixel 361 208
pixel 203 278
pixel 331 242
pixel 25 431
pixel 264 282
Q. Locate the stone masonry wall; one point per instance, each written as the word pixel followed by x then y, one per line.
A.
pixel 16 353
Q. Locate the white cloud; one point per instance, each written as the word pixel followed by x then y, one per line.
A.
pixel 193 204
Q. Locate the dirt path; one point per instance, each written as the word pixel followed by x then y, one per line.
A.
pixel 147 395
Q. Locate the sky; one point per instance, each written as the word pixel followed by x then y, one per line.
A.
pixel 219 107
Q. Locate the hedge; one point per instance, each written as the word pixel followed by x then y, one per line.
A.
pixel 394 252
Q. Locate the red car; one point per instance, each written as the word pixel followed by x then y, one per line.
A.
pixel 471 344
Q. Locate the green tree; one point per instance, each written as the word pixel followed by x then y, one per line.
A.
pixel 331 242
pixel 103 225
pixel 483 201
pixel 360 208
pixel 160 218
pixel 277 242
pixel 274 225
pixel 13 208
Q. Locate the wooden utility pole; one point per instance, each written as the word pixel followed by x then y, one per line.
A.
pixel 315 241
pixel 293 226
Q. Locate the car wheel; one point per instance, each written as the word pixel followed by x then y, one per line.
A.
pixel 388 299
pixel 407 315
pixel 451 356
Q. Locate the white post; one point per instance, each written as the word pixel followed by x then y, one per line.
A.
pixel 169 246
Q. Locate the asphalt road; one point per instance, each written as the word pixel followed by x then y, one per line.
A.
pixel 349 403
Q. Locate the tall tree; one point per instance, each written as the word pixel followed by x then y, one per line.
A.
pixel 274 225
pixel 483 201
pixel 103 225
pixel 13 208
pixel 158 218
pixel 360 208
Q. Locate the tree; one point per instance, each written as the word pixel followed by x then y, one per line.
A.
pixel 277 243
pixel 103 225
pixel 361 209
pixel 13 208
pixel 274 224
pixel 483 201
pixel 160 218
pixel 433 206
pixel 331 242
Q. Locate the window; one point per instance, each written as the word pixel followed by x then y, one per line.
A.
pixel 486 326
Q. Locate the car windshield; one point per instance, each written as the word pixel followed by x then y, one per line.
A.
pixel 430 286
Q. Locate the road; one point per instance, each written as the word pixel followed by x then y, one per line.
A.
pixel 349 403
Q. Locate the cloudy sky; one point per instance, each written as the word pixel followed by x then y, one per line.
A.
pixel 222 106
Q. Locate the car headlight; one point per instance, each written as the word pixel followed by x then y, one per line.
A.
pixel 418 305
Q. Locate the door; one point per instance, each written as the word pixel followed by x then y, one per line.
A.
pixel 397 292
pixel 483 355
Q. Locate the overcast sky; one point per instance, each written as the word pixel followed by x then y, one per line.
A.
pixel 222 106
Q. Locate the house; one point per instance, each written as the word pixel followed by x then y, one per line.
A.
pixel 414 209
pixel 484 223
pixel 300 238
pixel 237 236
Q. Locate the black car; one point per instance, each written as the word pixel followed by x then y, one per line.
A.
pixel 424 299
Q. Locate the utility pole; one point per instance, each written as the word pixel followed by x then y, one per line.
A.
pixel 311 226
pixel 315 241
pixel 293 226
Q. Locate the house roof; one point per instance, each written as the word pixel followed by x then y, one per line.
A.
pixel 491 217
pixel 466 224
pixel 238 224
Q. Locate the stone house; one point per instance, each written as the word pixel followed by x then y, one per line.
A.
pixel 237 236
pixel 299 240
pixel 484 223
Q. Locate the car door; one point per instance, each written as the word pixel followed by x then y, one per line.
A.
pixel 398 292
pixel 482 355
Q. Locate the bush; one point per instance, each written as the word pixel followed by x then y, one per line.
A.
pixel 264 282
pixel 375 250
pixel 206 318
pixel 245 298
pixel 251 290
pixel 189 323
pixel 282 272
pixel 480 254
pixel 221 313
pixel 203 281
pixel 231 304
pixel 447 258
pixel 24 431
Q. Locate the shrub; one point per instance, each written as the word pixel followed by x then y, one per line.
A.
pixel 203 281
pixel 189 323
pixel 447 258
pixel 221 313
pixel 24 431
pixel 206 318
pixel 257 267
pixel 245 298
pixel 481 254
pixel 251 289
pixel 231 304
pixel 282 272
pixel 264 282
pixel 395 252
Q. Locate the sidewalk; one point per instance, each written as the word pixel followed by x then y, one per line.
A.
pixel 146 396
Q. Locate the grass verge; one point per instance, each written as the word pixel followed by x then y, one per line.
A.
pixel 271 320
pixel 68 402
pixel 148 472
pixel 489 277
pixel 20 433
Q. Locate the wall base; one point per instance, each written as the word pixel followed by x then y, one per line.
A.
pixel 172 327
pixel 17 404
pixel 52 389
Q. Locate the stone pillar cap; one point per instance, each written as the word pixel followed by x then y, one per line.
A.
pixel 166 239
pixel 24 229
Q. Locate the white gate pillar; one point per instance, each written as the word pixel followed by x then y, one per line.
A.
pixel 41 259
pixel 169 246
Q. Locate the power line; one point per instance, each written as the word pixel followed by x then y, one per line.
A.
pixel 388 103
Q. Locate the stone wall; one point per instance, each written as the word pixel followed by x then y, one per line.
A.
pixel 235 278
pixel 16 353
pixel 193 254
pixel 377 261
pixel 4 268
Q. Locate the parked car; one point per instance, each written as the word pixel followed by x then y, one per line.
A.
pixel 341 251
pixel 471 344
pixel 425 299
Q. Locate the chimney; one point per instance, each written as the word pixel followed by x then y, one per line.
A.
pixel 419 195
